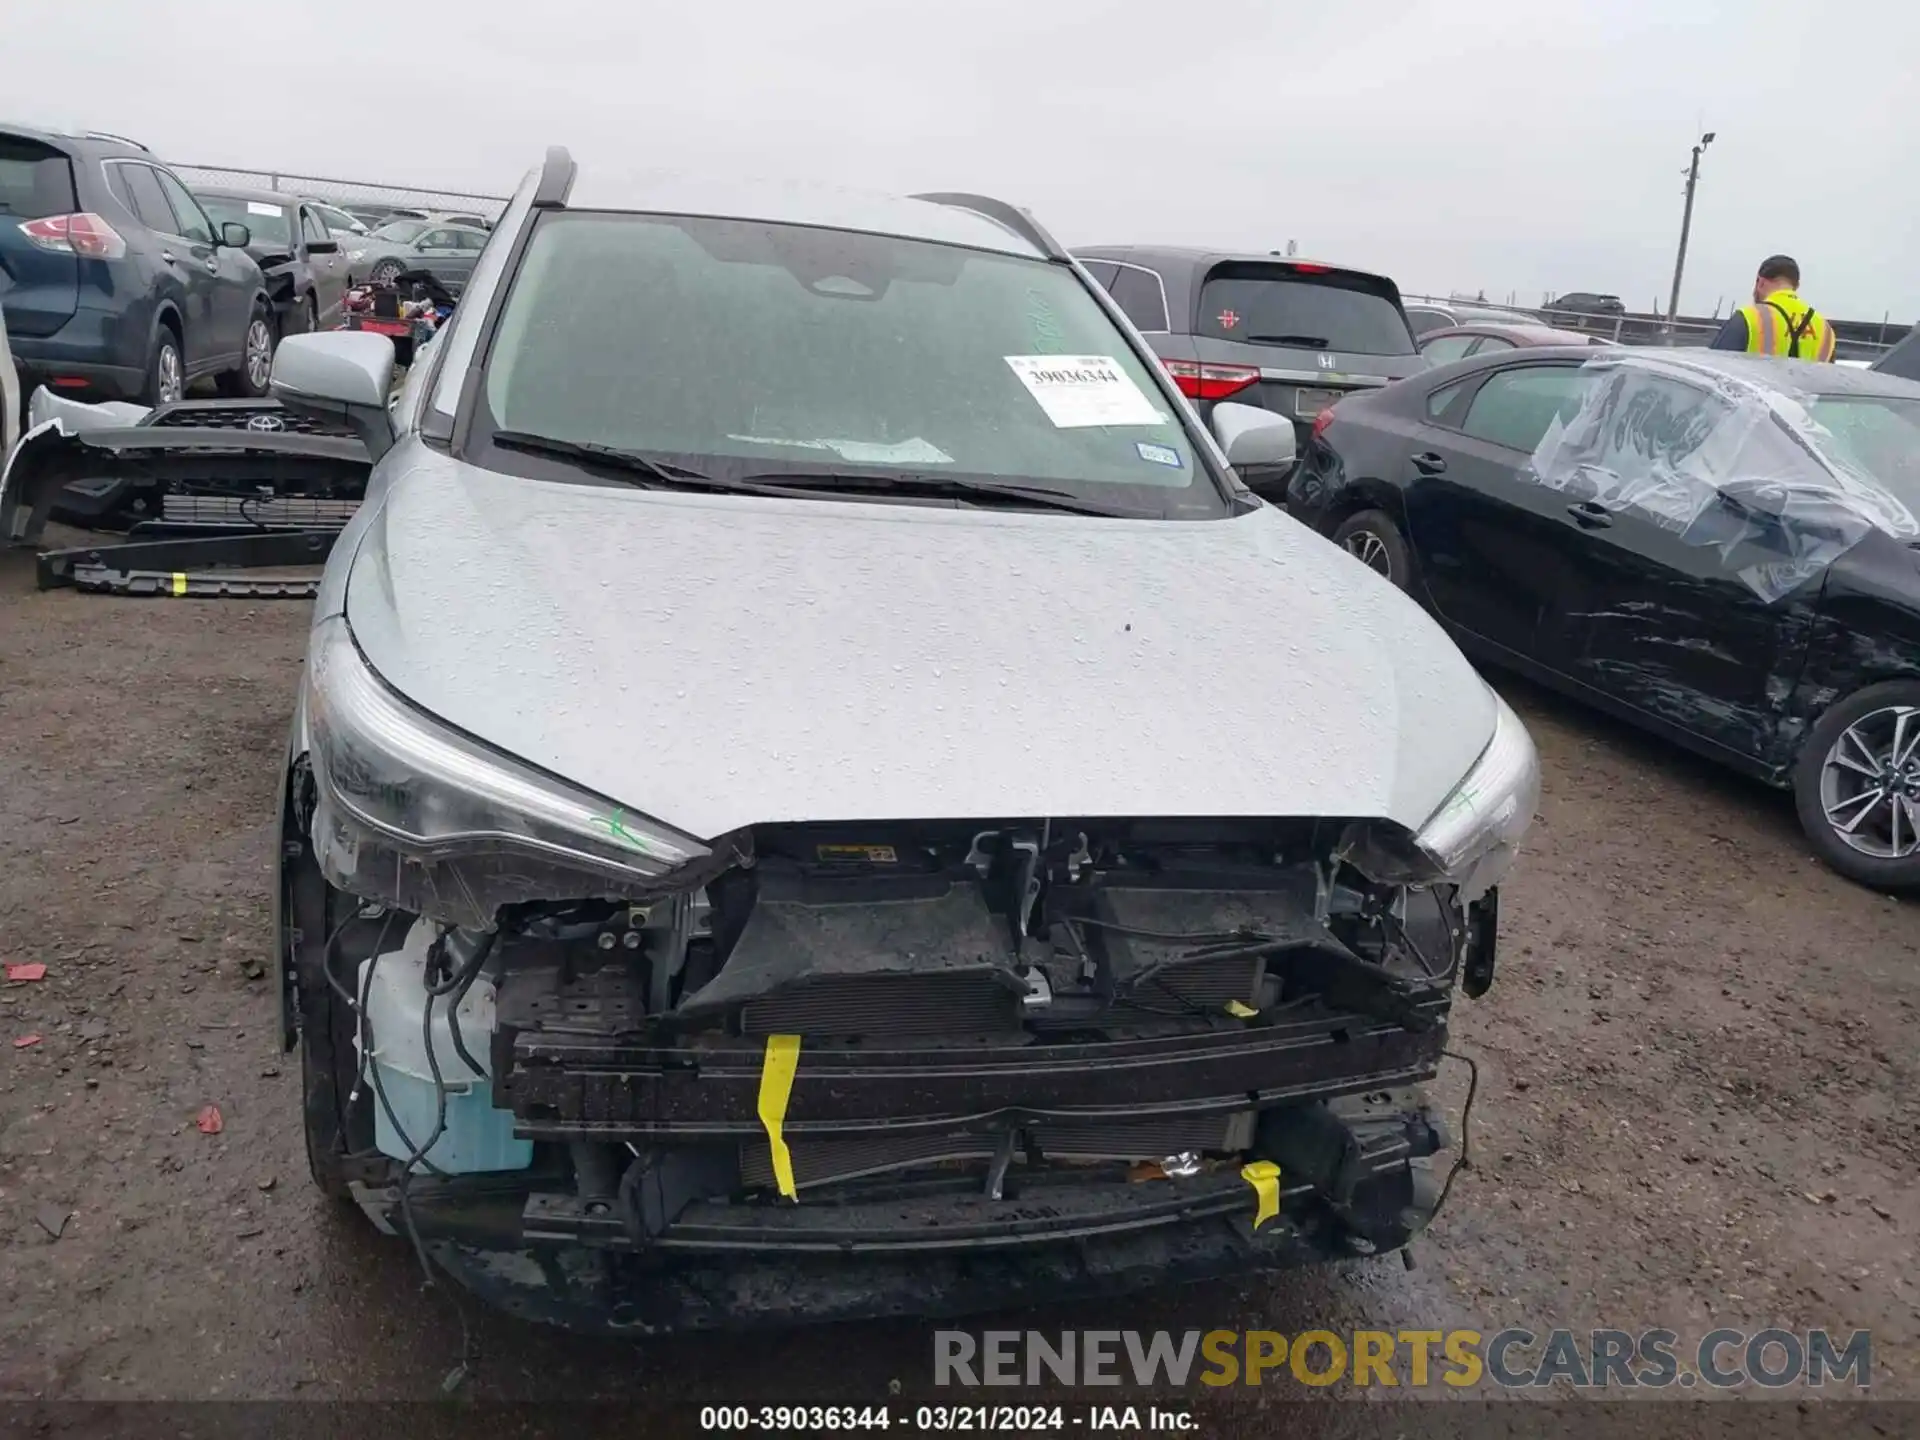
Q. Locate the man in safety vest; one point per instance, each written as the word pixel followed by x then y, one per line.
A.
pixel 1778 322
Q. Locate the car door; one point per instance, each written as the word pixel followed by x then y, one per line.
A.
pixel 1496 553
pixel 233 280
pixel 326 266
pixel 187 260
pixel 1699 616
pixel 449 252
pixel 432 251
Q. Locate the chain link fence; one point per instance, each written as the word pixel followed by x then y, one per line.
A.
pixel 1853 340
pixel 335 191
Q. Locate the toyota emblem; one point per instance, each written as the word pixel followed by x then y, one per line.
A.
pixel 266 422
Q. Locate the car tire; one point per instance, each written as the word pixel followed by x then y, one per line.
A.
pixel 310 313
pixel 385 273
pixel 320 1098
pixel 1865 746
pixel 1375 541
pixel 252 381
pixel 166 370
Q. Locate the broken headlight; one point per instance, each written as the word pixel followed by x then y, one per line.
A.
pixel 415 814
pixel 1471 840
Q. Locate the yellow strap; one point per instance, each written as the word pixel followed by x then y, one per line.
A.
pixel 1264 1176
pixel 179 582
pixel 776 1084
pixel 1240 1010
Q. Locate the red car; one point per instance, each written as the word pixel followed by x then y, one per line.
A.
pixel 1483 338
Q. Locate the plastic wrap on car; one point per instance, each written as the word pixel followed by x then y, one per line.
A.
pixel 1750 473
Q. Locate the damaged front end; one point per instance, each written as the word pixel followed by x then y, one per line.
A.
pixel 623 1078
pixel 194 467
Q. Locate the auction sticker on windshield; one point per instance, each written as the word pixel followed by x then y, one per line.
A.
pixel 1082 390
pixel 260 207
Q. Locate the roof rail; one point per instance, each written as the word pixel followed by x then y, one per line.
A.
pixel 556 179
pixel 1008 217
pixel 116 139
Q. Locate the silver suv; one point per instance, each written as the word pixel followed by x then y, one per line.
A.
pixel 811 763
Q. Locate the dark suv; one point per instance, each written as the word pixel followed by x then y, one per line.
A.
pixel 114 283
pixel 1291 336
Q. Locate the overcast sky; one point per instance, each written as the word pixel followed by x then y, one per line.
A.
pixel 1518 146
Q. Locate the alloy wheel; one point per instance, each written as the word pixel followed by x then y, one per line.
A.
pixel 1870 784
pixel 1371 551
pixel 259 354
pixel 167 384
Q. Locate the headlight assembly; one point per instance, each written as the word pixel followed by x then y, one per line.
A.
pixel 1471 840
pixel 420 816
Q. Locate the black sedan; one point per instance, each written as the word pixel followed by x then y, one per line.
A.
pixel 306 273
pixel 1720 548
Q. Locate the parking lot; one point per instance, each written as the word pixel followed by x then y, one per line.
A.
pixel 1696 1102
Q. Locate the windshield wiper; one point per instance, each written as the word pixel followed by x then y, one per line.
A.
pixel 950 486
pixel 645 470
pixel 1306 342
pixel 630 462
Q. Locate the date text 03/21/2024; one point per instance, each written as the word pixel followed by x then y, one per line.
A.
pixel 810 1419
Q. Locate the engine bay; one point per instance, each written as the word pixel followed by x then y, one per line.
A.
pixel 944 932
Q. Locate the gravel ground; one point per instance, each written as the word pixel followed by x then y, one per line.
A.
pixel 1696 1099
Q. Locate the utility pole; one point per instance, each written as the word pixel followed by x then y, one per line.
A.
pixel 1686 228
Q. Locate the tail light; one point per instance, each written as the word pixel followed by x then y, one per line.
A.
pixel 1210 382
pixel 1322 421
pixel 85 234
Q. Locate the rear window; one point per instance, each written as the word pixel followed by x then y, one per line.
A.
pixel 400 231
pixel 35 180
pixel 1274 305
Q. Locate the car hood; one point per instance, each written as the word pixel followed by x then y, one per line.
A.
pixel 718 661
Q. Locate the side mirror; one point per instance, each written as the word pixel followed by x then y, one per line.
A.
pixel 1254 439
pixel 340 375
pixel 235 236
pixel 323 247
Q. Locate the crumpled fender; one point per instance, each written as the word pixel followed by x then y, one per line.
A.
pixel 69 441
pixel 49 455
pixel 78 415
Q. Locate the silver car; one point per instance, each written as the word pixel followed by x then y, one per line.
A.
pixel 818 792
pixel 447 251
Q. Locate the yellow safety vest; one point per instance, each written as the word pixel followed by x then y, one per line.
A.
pixel 1784 324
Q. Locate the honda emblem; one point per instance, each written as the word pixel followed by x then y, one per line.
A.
pixel 1326 362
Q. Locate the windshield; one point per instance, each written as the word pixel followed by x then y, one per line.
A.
pixel 1879 434
pixel 269 223
pixel 400 231
pixel 746 348
pixel 1304 310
